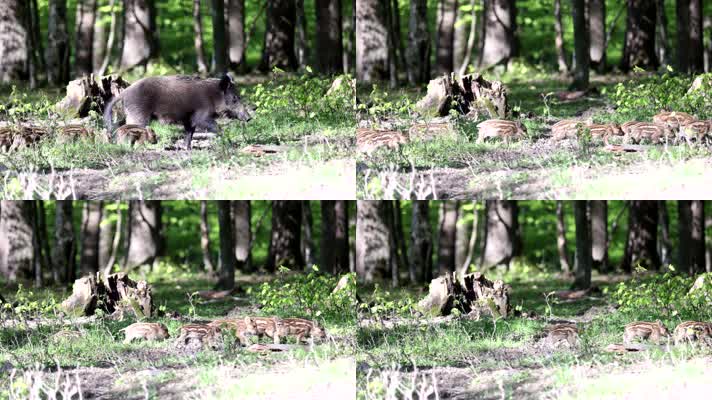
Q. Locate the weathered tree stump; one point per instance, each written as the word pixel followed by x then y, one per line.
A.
pixel 472 95
pixel 86 94
pixel 115 293
pixel 471 294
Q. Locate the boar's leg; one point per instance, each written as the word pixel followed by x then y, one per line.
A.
pixel 189 129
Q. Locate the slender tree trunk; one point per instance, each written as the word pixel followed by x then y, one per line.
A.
pixel 284 248
pixel 57 43
pixel 109 41
pixel 373 244
pixel 597 24
pixel 472 244
pixel 447 13
pixel 683 35
pixel 391 46
pixel 581 46
pixel 328 37
pixel 301 35
pixel 599 234
pixel 418 52
pixel 499 245
pixel 500 26
pixel 237 42
pixel 641 247
pixel 116 241
pixel 462 238
pixel 582 273
pixel 17 250
pixel 349 30
pixel 447 236
pixel 692 236
pixel 86 15
pixel 139 44
pixel 559 39
pixel 696 53
pixel 665 248
pixel 242 215
pixel 198 40
pixel 144 243
pixel 91 220
pixel 219 37
pixel 99 39
pixel 307 244
pixel 335 236
pixel 421 243
pixel 228 262
pixel 278 48
pixel 639 44
pixel 470 40
pixel 44 239
pixel 205 238
pixel 561 239
pixel 371 40
pixel 37 246
pixel 64 246
pixel 662 42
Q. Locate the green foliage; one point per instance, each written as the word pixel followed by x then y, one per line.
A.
pixel 642 98
pixel 665 295
pixel 22 106
pixel 381 104
pixel 384 304
pixel 30 304
pixel 308 295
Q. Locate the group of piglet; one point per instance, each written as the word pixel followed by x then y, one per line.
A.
pixel 15 137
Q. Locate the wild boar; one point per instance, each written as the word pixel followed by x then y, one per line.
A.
pixel 190 101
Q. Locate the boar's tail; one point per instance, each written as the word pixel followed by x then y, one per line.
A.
pixel 107 114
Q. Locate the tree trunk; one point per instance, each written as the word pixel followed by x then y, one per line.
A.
pixel 447 14
pixel 421 243
pixel 242 215
pixel 639 45
pixel 144 239
pixel 84 58
pixel 235 13
pixel 328 37
pixel 373 246
pixel 462 240
pixel 301 34
pixel 470 46
pixel 36 37
pixel 37 267
pixel 307 243
pixel 692 236
pixel 219 37
pixel 447 236
pixel 391 46
pixel 696 52
pixel 107 230
pixel 57 43
pixel 139 45
pixel 599 234
pixel 561 239
pixel 500 233
pixel 581 46
pixel 43 240
pixel 198 40
pixel 641 247
pixel 683 35
pixel 99 39
pixel 472 244
pixel 284 248
pixel 109 41
pixel 371 40
pixel 418 53
pixel 665 248
pixel 205 238
pixel 597 25
pixel 393 260
pixel 559 39
pixel 334 236
pixel 349 29
pixel 228 261
pixel 662 42
pixel 459 39
pixel 582 273
pixel 17 250
pixel 64 247
pixel 278 48
pixel 500 25
pixel 90 234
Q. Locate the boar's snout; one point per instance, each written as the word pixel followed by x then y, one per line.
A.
pixel 242 111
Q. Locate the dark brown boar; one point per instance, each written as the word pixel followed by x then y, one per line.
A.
pixel 190 101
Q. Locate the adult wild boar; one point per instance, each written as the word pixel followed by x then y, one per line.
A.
pixel 190 101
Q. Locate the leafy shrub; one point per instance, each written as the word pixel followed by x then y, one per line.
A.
pixel 19 106
pixel 643 98
pixel 383 304
pixel 29 305
pixel 665 295
pixel 308 295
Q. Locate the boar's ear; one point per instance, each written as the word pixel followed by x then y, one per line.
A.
pixel 225 82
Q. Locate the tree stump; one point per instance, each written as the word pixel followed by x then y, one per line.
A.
pixel 86 94
pixel 115 293
pixel 472 95
pixel 472 293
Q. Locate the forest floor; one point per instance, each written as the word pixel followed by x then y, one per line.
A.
pixel 402 356
pixel 101 366
pixel 309 157
pixel 456 167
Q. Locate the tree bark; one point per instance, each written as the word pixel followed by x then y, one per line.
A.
pixel 500 233
pixel 641 247
pixel 43 239
pixel 373 246
pixel 371 40
pixel 470 47
pixel 597 25
pixel 581 46
pixel 307 243
pixel 665 242
pixel 462 240
pixel 17 250
pixel 683 34
pixel 57 43
pixel 301 35
pixel 499 26
pixel 144 239
pixel 278 48
pixel 329 49
pixel 84 58
pixel 90 236
pixel 235 17
pixel 284 248
pixel 561 238
pixel 335 236
pixel 418 52
pixel 639 45
pixel 599 234
pixel 447 236
pixel 349 30
pixel 559 39
pixel 109 240
pixel 472 244
pixel 421 243
pixel 139 43
pixel 696 53
pixel 109 41
pixel 198 40
pixel 99 38
pixel 692 236
pixel 582 273
pixel 447 15
pixel 662 42
pixel 205 238
pixel 64 247
pixel 228 262
pixel 242 216
pixel 219 37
